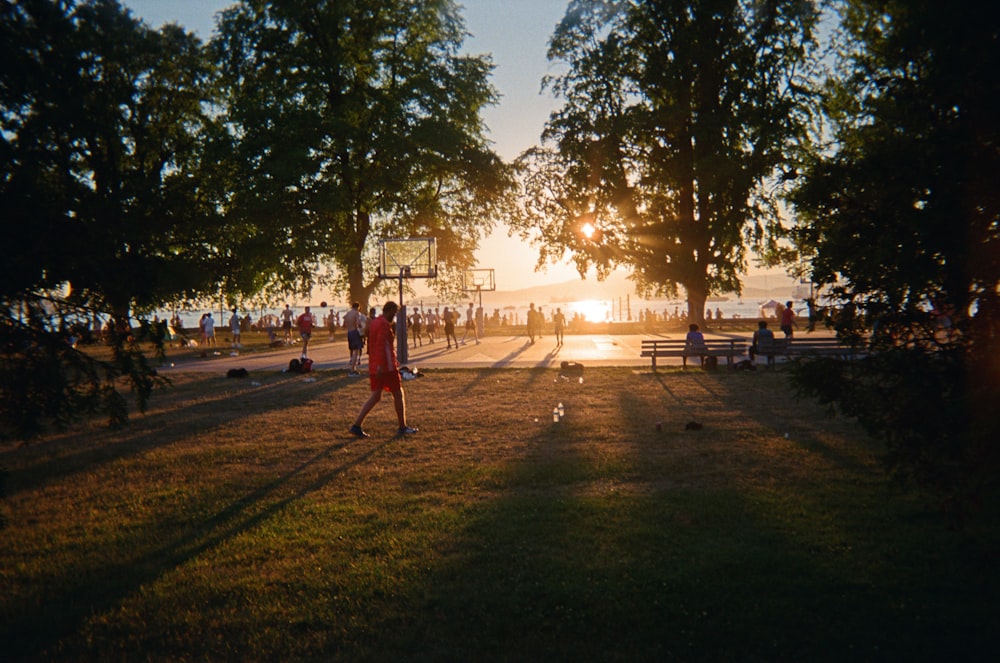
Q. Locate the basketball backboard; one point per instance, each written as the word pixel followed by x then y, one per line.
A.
pixel 479 280
pixel 413 258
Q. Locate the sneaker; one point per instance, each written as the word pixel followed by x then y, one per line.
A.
pixel 357 430
pixel 406 430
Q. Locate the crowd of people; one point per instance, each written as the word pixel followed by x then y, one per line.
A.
pixel 425 325
pixel 377 333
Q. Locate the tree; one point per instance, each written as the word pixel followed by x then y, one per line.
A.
pixel 350 122
pixel 101 145
pixel 901 217
pixel 676 115
pixel 104 122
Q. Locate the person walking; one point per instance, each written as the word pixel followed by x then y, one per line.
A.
pixel 532 320
pixel 470 325
pixel 383 371
pixel 355 341
pixel 305 323
pixel 449 327
pixel 559 323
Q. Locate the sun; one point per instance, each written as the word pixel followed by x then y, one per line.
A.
pixel 591 310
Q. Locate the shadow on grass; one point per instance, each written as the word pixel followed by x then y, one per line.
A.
pixel 568 563
pixel 28 634
pixel 563 567
pixel 71 453
pixel 760 399
pixel 597 539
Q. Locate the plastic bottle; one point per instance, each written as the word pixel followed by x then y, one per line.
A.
pixel 555 415
pixel 562 412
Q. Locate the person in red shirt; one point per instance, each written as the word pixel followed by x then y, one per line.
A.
pixel 383 370
pixel 305 323
pixel 787 320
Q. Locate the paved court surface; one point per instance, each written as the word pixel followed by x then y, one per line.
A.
pixel 492 351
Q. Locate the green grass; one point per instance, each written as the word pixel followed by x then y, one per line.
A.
pixel 240 522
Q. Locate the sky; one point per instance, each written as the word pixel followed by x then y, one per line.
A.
pixel 515 33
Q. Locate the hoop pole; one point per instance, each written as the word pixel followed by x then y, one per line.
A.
pixel 480 322
pixel 402 345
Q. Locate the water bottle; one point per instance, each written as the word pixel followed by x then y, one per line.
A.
pixel 555 415
pixel 562 412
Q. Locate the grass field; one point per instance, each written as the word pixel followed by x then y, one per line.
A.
pixel 240 522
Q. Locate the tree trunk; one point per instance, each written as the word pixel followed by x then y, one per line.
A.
pixel 696 298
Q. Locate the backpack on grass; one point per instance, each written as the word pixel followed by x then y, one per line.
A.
pixel 303 365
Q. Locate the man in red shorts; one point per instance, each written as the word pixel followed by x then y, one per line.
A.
pixel 383 370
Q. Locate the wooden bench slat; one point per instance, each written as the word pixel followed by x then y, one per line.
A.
pixel 673 347
pixel 804 347
pixel 729 348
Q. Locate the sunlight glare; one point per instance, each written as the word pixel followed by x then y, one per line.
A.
pixel 591 310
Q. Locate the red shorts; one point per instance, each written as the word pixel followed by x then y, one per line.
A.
pixel 388 381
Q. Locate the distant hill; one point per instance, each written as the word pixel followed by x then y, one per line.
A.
pixel 771 285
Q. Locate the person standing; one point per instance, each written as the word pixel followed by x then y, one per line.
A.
pixel 235 326
pixel 355 342
pixel 532 320
pixel 416 327
pixel 559 322
pixel 201 329
pixel 209 329
pixel 305 323
pixel 811 305
pixel 433 317
pixel 365 322
pixel 286 323
pixel 383 371
pixel 787 320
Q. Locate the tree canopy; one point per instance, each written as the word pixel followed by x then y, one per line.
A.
pixel 103 131
pixel 677 115
pixel 900 218
pixel 138 168
pixel 102 125
pixel 350 122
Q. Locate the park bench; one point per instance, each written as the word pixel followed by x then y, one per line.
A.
pixel 805 347
pixel 677 347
